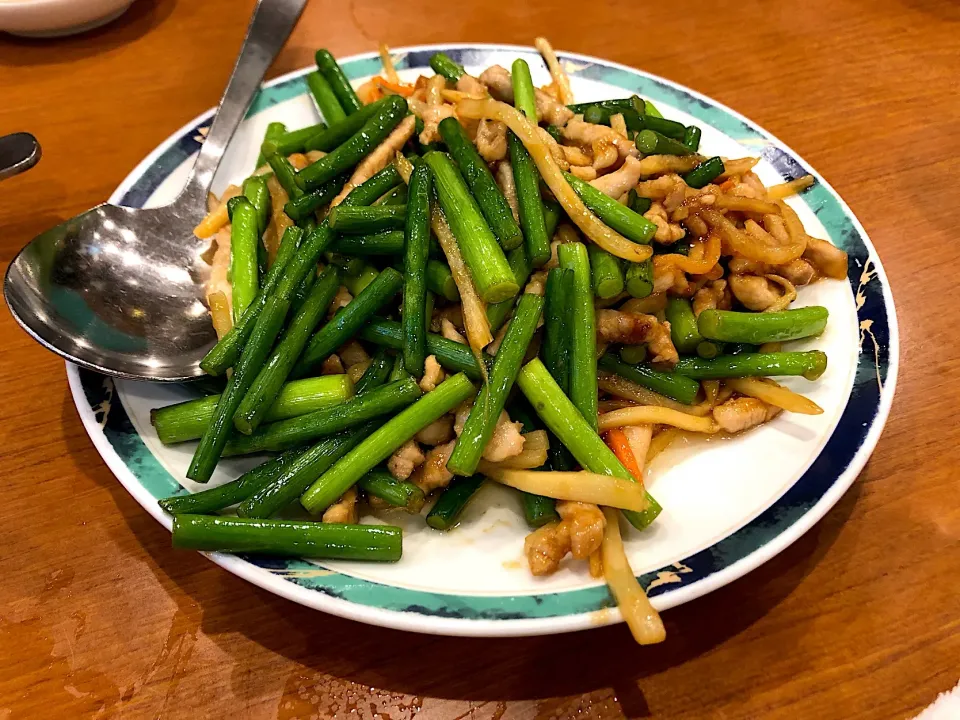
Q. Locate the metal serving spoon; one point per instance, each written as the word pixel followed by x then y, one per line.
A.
pixel 121 290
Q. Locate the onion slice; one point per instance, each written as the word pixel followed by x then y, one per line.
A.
pixel 585 487
pixel 474 309
pixel 774 394
pixel 641 617
pixel 560 78
pixel 220 313
pixel 623 388
pixel 650 415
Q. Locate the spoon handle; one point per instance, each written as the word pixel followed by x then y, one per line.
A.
pixel 271 25
pixel 18 153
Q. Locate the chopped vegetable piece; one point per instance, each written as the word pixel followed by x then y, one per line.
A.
pixel 708 349
pixel 484 257
pixel 811 365
pixel 641 617
pixel 333 74
pixel 472 307
pixel 683 325
pixel 619 217
pixel 446 511
pixel 359 281
pixel 256 191
pixel 605 272
pixel 187 420
pixel 417 247
pixel 774 394
pixel 443 65
pixel 704 173
pixel 520 265
pixel 529 201
pixel 617 105
pixel 388 242
pixel 332 137
pixel 274 132
pixel 632 354
pixel 637 203
pixel 618 442
pixel 525 175
pixel 220 315
pixel 673 385
pixel 376 373
pixel 373 132
pixel 285 173
pixel 586 487
pixel 244 239
pixel 450 354
pixel 397 196
pixel 398 493
pixel 265 389
pixel 480 180
pixel 563 419
pixel 304 207
pixel 290 483
pixel 284 434
pixel 354 220
pixel 226 352
pixel 524 97
pixel 326 99
pixel 380 444
pixel 398 372
pixel 440 281
pixel 492 398
pixel 295 141
pixel 583 346
pixel 349 320
pixel 381 543
pixel 691 138
pixel 650 142
pixel 223 496
pixel 650 109
pixel 639 279
pixel 558 330
pixel 654 415
pixel 759 328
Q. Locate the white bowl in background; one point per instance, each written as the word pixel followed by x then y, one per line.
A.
pixel 53 18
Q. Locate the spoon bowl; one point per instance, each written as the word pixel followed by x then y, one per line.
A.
pixel 122 290
pixel 118 290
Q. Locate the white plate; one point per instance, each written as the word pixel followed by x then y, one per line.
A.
pixel 729 505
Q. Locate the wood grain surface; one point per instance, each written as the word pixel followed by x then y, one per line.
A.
pixel 99 617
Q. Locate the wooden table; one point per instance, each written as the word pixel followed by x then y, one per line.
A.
pixel 99 617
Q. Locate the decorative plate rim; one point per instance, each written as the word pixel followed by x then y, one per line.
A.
pixel 280 577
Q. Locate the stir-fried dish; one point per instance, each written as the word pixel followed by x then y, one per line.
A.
pixel 468 279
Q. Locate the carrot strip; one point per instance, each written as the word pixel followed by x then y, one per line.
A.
pixel 617 441
pixel 369 92
pixel 395 88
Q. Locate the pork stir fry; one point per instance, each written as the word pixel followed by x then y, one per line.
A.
pixel 460 278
